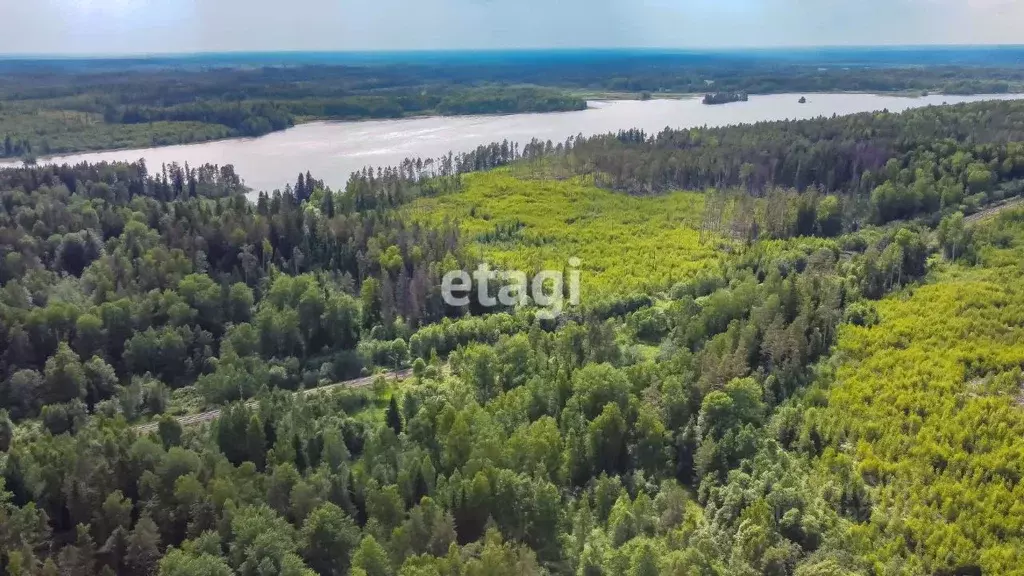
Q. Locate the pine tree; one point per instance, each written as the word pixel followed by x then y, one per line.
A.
pixel 6 431
pixel 300 454
pixel 255 443
pixel 327 204
pixel 394 416
pixel 115 549
pixel 300 188
pixel 230 431
pixel 170 431
pixel 79 559
pixel 143 547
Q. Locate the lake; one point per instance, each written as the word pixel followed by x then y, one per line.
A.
pixel 331 151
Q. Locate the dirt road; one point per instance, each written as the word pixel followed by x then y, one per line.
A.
pixel 193 419
pixel 992 211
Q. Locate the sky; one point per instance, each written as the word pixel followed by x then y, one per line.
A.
pixel 92 27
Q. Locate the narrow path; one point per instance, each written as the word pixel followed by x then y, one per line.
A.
pixel 993 210
pixel 193 419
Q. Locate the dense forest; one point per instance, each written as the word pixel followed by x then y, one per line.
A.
pixel 775 372
pixel 51 107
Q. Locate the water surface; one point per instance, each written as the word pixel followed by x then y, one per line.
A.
pixel 331 151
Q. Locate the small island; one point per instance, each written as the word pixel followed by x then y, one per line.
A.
pixel 803 99
pixel 724 97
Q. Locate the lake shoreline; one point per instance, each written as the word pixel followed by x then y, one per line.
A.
pixel 8 162
pixel 591 97
pixel 43 159
pixel 594 97
pixel 332 150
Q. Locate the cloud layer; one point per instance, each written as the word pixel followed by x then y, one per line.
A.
pixel 153 26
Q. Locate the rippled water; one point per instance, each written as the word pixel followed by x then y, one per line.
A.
pixel 333 150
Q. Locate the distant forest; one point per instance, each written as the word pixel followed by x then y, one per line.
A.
pixel 53 106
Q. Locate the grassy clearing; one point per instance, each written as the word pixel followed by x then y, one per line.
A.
pixel 626 244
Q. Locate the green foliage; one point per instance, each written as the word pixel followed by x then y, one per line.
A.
pixel 329 537
pixel 371 559
pixel 771 408
pixel 178 563
pixel 625 244
pixel 938 437
pixel 149 308
pixel 954 237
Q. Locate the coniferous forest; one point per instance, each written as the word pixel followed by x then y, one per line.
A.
pixel 798 352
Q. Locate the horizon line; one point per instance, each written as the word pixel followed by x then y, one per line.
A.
pixel 498 50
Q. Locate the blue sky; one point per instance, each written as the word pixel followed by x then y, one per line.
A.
pixel 158 26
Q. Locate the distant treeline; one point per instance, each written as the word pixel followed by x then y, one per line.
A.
pixel 95 112
pixel 48 108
